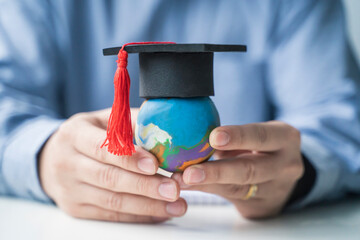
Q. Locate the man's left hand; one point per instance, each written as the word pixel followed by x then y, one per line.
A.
pixel 265 156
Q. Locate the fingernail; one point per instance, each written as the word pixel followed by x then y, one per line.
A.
pixel 146 165
pixel 175 208
pixel 221 138
pixel 168 190
pixel 195 175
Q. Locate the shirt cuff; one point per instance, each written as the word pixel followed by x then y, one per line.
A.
pixel 327 170
pixel 19 166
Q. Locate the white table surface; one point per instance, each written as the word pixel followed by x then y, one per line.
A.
pixel 30 220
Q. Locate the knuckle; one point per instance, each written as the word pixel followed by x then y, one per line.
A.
pixel 235 191
pixel 78 116
pixel 240 136
pixel 64 132
pixel 142 185
pixel 149 209
pixel 63 196
pixel 72 210
pixel 115 201
pixel 261 134
pixel 113 217
pixel 125 162
pixel 108 176
pixel 215 173
pixel 141 219
pixel 97 145
pixel 281 123
pixel 61 166
pixel 98 151
pixel 296 168
pixel 294 134
pixel 66 129
pixel 249 172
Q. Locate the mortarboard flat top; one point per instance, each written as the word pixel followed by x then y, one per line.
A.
pixel 181 48
pixel 176 70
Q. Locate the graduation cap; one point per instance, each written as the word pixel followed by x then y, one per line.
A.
pixel 167 70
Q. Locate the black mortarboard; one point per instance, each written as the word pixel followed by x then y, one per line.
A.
pixel 176 70
pixel 167 70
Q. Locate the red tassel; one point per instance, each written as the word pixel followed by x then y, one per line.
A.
pixel 119 139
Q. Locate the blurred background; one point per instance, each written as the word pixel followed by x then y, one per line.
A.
pixel 352 8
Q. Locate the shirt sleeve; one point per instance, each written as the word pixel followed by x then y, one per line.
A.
pixel 29 97
pixel 314 86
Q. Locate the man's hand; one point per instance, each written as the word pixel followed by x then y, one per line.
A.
pixel 86 181
pixel 265 154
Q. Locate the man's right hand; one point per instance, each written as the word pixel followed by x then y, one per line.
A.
pixel 86 181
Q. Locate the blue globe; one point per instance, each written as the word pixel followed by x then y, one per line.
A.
pixel 176 130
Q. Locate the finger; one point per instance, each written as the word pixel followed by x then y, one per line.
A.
pixel 132 204
pixel 235 191
pixel 268 200
pixel 218 154
pixel 119 180
pixel 89 139
pixel 250 170
pixel 269 136
pixel 258 208
pixel 96 213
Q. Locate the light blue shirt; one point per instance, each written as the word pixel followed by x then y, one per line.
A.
pixel 298 69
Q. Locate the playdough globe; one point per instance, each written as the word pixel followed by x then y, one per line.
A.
pixel 176 130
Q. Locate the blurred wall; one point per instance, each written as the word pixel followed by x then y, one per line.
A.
pixel 352 8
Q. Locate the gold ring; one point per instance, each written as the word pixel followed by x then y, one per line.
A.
pixel 251 192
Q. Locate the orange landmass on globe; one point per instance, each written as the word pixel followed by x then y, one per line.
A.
pixel 195 161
